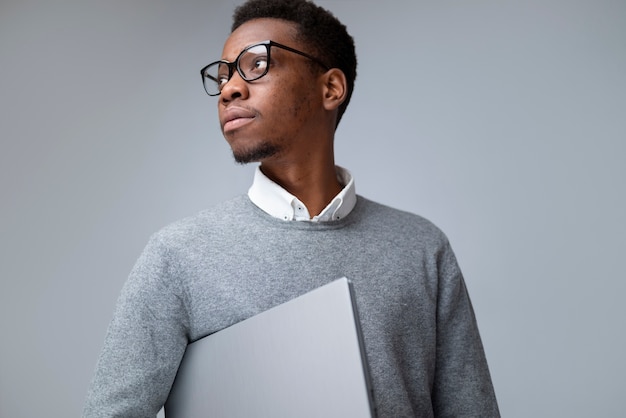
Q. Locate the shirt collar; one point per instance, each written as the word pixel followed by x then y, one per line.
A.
pixel 279 203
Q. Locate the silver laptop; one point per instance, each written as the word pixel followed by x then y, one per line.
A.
pixel 302 359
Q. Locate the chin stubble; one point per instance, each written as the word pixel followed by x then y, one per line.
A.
pixel 255 154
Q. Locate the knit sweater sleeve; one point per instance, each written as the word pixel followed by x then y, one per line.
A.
pixel 145 341
pixel 462 385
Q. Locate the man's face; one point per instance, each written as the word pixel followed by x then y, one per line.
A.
pixel 277 116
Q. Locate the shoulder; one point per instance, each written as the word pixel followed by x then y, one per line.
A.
pixel 399 221
pixel 206 225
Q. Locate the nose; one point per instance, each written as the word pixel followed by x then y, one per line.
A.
pixel 235 88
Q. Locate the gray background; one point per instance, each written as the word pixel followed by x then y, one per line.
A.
pixel 503 122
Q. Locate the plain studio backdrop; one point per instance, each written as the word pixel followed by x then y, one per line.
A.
pixel 504 122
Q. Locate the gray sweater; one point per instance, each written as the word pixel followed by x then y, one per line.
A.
pixel 204 273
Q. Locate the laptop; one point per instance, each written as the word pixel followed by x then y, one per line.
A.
pixel 302 359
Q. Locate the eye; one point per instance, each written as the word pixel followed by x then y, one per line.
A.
pixel 221 80
pixel 258 65
pixel 219 73
pixel 253 63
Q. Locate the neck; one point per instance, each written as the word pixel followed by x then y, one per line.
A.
pixel 314 184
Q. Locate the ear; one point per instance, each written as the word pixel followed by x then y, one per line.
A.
pixel 335 88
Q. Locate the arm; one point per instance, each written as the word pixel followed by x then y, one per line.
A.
pixel 463 385
pixel 144 343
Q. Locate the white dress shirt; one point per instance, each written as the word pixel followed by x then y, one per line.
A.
pixel 279 203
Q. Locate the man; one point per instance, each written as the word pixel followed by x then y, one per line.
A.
pixel 284 80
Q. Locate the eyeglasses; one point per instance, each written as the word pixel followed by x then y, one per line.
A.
pixel 251 64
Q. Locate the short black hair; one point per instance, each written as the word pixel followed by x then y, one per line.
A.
pixel 317 27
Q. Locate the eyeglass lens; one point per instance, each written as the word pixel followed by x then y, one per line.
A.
pixel 252 64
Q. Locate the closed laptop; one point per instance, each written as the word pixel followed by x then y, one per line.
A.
pixel 302 359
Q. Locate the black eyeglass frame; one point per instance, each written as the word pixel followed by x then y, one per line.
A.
pixel 235 64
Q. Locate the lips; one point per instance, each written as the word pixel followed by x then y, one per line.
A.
pixel 235 117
